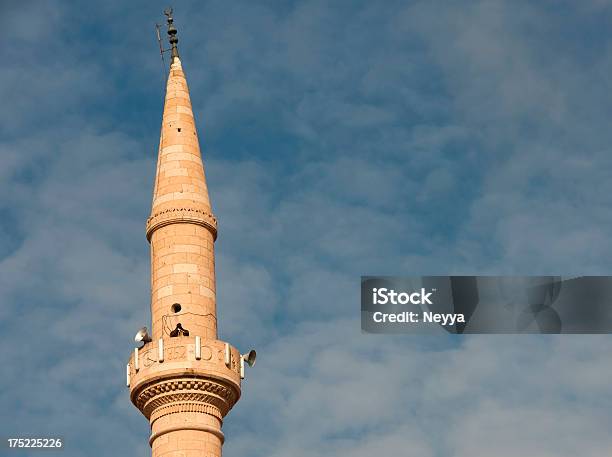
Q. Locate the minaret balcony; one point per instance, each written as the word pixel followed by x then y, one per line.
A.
pixel 176 371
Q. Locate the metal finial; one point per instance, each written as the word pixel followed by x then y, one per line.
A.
pixel 171 33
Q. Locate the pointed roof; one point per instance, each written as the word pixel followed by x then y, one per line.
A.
pixel 180 193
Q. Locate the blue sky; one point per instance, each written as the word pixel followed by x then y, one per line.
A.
pixel 340 139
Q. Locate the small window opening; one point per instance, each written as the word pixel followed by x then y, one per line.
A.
pixel 176 307
pixel 179 129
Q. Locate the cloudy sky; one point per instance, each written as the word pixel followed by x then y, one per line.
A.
pixel 341 139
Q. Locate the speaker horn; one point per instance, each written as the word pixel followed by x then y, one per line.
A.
pixel 143 335
pixel 250 357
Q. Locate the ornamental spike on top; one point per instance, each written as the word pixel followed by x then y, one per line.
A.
pixel 172 38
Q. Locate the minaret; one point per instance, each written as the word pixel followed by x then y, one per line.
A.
pixel 183 379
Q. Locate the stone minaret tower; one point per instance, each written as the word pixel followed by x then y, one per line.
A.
pixel 183 379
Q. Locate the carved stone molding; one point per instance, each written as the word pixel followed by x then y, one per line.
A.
pixel 182 390
pixel 187 407
pixel 185 215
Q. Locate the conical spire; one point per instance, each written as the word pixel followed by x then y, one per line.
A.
pixel 180 181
